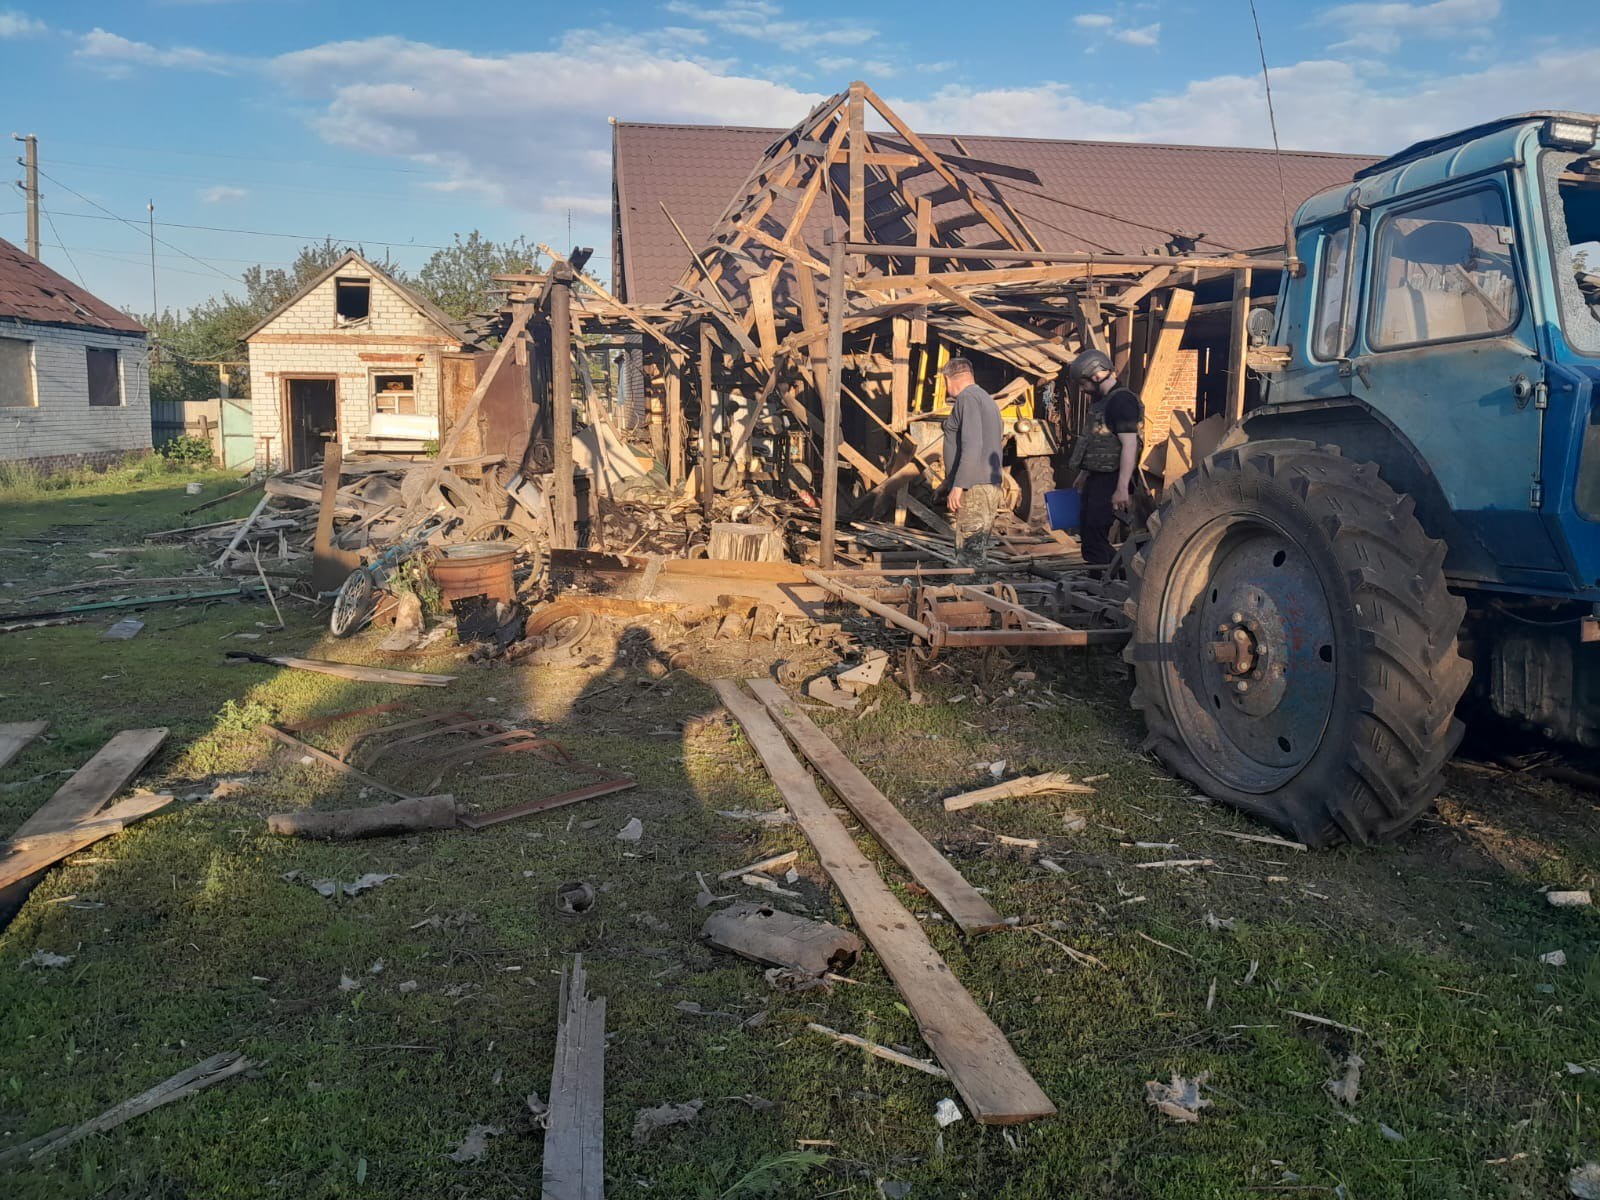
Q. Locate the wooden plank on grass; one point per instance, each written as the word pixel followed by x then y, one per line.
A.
pixel 982 1065
pixel 15 737
pixel 967 908
pixel 346 670
pixel 574 1138
pixel 30 853
pixel 94 784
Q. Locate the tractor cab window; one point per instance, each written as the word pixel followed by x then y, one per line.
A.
pixel 1575 236
pixel 1444 271
pixel 1329 341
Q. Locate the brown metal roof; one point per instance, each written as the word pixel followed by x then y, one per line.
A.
pixel 32 292
pixel 1230 195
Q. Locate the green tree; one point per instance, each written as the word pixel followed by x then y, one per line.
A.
pixel 460 278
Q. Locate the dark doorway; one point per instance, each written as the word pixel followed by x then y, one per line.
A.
pixel 310 417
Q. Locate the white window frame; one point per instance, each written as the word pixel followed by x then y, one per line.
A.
pixel 373 393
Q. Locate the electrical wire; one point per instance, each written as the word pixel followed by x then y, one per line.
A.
pixel 143 231
pixel 52 223
pixel 1277 151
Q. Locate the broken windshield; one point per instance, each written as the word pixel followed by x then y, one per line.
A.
pixel 1574 185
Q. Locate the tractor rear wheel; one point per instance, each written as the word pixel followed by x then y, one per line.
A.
pixel 1294 647
pixel 1033 477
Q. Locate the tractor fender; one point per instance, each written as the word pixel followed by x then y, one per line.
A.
pixel 1363 434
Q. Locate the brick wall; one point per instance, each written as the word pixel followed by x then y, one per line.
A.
pixel 1180 393
pixel 63 428
pixel 305 339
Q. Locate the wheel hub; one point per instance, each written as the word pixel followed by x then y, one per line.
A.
pixel 1250 631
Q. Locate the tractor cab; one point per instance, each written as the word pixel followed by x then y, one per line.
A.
pixel 1448 318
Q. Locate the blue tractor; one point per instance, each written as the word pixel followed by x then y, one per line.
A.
pixel 1409 522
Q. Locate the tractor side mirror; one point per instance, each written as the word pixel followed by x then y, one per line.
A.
pixel 1258 326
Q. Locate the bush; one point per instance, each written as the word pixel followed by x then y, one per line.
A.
pixel 186 450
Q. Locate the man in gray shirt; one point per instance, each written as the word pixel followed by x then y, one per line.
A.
pixel 972 450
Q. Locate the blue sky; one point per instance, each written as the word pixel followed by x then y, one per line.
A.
pixel 403 123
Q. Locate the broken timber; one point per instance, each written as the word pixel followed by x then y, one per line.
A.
pixel 1027 785
pixel 345 670
pixel 903 840
pixel 574 1139
pixel 14 738
pixel 981 1063
pixel 73 817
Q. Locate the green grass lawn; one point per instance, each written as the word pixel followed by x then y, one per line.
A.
pixel 195 943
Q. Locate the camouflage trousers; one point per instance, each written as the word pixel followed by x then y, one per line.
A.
pixel 973 523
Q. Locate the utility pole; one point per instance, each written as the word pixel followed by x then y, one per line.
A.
pixel 30 186
pixel 155 312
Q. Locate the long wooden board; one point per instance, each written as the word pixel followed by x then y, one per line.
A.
pixel 574 1138
pixel 31 853
pixel 14 738
pixel 967 908
pixel 984 1068
pixel 94 784
pixel 345 670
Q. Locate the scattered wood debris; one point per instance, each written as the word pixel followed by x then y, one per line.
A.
pixel 1568 899
pixel 1316 1020
pixel 1025 785
pixel 344 670
pixel 1180 1099
pixel 181 1086
pixel 903 840
pixel 981 1063
pixel 883 1052
pixel 1260 838
pixel 766 935
pixel 15 737
pixel 786 859
pixel 379 820
pixel 574 1139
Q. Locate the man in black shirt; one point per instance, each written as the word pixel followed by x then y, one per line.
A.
pixel 1106 453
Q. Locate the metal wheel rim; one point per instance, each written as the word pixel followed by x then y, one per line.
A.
pixel 352 605
pixel 1257 738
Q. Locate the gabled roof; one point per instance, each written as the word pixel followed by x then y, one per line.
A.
pixel 1229 194
pixel 32 292
pixel 420 302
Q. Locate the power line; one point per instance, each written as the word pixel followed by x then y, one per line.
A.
pixel 52 223
pixel 131 225
pixel 284 162
pixel 259 185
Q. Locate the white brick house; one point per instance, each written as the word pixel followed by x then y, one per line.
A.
pixel 74 372
pixel 355 355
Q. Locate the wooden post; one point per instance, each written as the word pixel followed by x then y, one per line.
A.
pixel 675 454
pixel 1122 344
pixel 564 533
pixel 707 413
pixel 856 114
pixel 1233 409
pixel 1164 358
pixel 900 375
pixel 830 404
pixel 919 327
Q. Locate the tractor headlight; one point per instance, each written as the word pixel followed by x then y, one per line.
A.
pixel 1024 426
pixel 1568 134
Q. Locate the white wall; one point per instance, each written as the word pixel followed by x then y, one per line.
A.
pixel 305 339
pixel 63 425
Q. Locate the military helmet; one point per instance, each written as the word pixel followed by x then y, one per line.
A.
pixel 1086 364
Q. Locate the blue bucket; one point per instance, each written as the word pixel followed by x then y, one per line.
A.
pixel 1062 506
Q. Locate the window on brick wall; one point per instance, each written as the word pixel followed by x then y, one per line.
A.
pixel 105 378
pixel 394 394
pixel 352 300
pixel 17 386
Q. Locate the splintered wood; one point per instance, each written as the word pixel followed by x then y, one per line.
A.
pixel 574 1137
pixel 1027 785
pixel 984 1068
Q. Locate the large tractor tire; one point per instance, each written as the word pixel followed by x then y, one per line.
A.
pixel 1033 477
pixel 1294 647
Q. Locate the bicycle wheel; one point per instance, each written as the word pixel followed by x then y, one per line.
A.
pixel 354 604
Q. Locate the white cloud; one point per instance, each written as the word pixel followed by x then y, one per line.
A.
pixel 759 20
pixel 1145 35
pixel 18 25
pixel 1094 20
pixel 548 148
pixel 223 194
pixel 1381 27
pixel 117 55
pixel 1321 105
